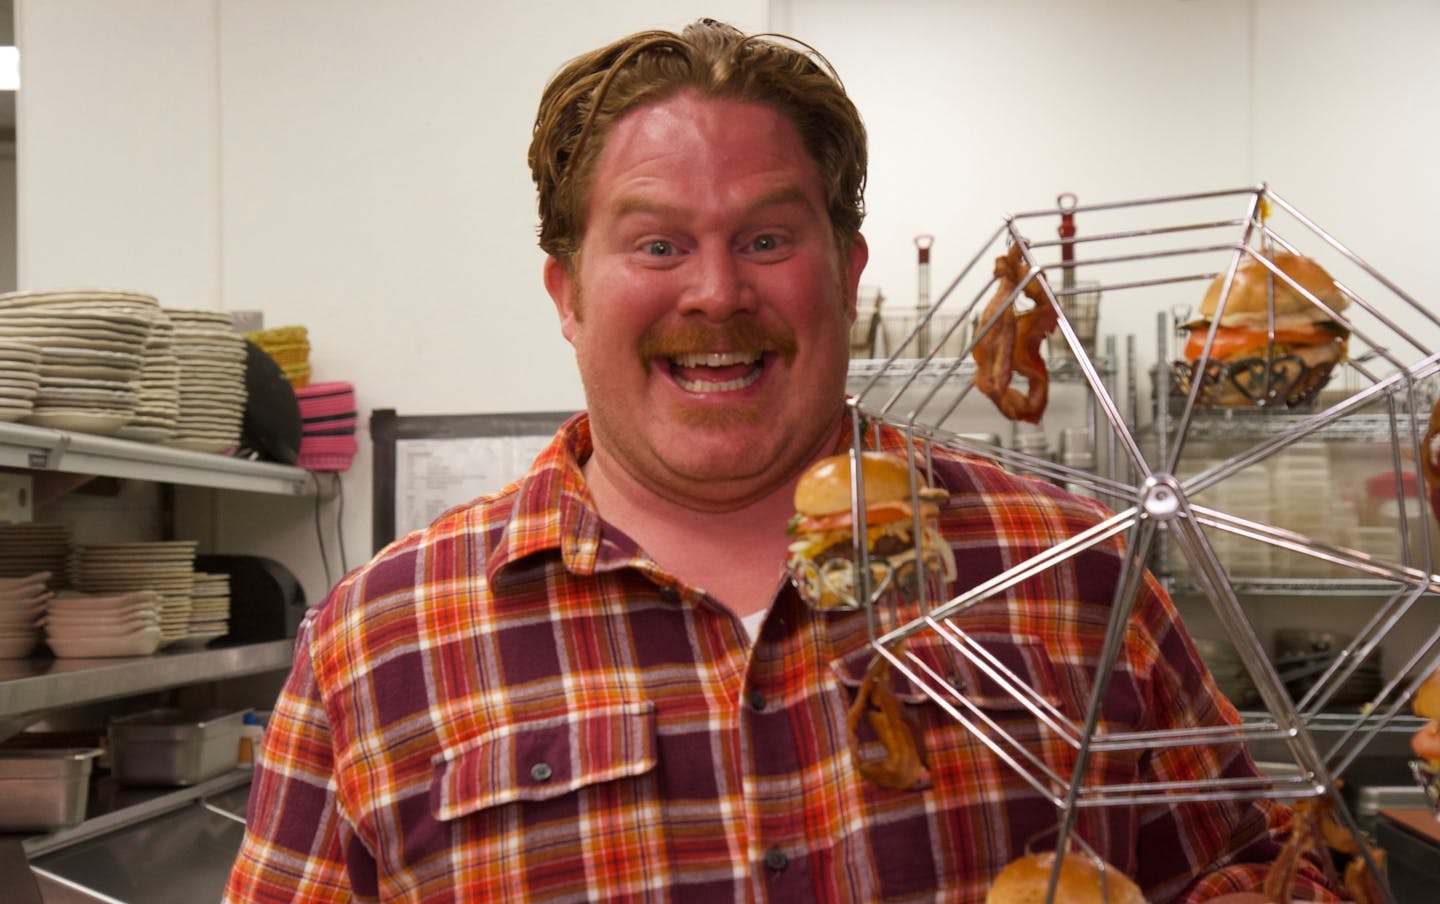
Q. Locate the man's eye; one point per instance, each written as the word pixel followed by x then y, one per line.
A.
pixel 765 243
pixel 659 248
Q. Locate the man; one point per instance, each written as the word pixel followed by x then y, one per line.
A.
pixel 596 685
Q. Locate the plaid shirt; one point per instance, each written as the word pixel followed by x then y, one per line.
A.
pixel 516 704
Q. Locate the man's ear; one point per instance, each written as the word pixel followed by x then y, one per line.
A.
pixel 859 257
pixel 560 283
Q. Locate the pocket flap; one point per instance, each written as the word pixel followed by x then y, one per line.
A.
pixel 544 758
pixel 980 672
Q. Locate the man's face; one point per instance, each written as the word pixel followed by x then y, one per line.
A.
pixel 709 308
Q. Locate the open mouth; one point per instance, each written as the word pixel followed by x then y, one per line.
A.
pixel 716 371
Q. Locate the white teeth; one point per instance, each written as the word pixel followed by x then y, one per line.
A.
pixel 716 359
pixel 713 386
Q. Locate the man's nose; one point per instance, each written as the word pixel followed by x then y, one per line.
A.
pixel 719 286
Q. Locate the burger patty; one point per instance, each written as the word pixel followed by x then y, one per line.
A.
pixel 894 549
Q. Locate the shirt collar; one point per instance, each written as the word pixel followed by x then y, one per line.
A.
pixel 552 509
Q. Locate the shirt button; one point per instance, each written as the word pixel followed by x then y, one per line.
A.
pixel 541 772
pixel 757 701
pixel 776 859
pixel 670 594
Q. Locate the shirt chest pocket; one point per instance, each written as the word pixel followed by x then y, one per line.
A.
pixel 544 760
pixel 1003 685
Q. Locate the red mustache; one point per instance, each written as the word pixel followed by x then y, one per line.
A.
pixel 741 334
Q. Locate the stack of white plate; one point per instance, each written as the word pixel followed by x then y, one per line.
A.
pixel 210 608
pixel 77 298
pixel 22 605
pixel 164 566
pixel 33 546
pixel 211 356
pixel 158 407
pixel 19 379
pixel 104 625
pixel 90 360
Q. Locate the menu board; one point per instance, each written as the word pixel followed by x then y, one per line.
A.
pixel 426 464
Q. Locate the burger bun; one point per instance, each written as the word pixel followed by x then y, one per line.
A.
pixel 1249 301
pixel 1026 881
pixel 825 488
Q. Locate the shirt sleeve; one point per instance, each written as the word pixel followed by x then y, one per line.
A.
pixel 292 849
pixel 1229 844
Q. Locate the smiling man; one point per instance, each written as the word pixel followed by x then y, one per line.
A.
pixel 596 685
pixel 709 304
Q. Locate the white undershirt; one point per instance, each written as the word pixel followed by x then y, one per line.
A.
pixel 753 621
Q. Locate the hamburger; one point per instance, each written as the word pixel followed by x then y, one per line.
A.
pixel 1426 740
pixel 821 558
pixel 1083 880
pixel 1303 332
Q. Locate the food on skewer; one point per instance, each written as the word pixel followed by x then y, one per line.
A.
pixel 1012 344
pixel 904 765
pixel 1430 460
pixel 1315 830
pixel 1083 880
pixel 1426 740
pixel 821 559
pixel 1307 341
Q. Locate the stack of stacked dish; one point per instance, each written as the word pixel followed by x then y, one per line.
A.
pixel 211 356
pixel 158 407
pixel 22 605
pixel 19 379
pixel 210 608
pixel 63 361
pixel 103 625
pixel 166 567
pixel 32 546
pixel 90 361
pixel 327 423
pixel 290 347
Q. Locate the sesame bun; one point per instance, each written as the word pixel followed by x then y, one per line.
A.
pixel 1249 300
pixel 825 488
pixel 1025 881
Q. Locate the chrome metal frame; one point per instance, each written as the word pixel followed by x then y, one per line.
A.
pixel 918 392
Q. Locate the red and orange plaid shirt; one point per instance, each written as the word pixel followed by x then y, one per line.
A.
pixel 516 704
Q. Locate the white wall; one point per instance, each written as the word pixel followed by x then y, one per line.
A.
pixel 359 167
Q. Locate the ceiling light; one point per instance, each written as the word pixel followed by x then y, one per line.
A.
pixel 9 68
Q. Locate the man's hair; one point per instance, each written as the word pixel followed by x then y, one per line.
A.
pixel 585 100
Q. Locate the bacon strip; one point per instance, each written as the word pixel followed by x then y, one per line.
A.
pixel 1430 460
pixel 1314 829
pixel 903 768
pixel 1012 345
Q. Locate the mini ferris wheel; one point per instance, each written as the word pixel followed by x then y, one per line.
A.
pixel 1295 457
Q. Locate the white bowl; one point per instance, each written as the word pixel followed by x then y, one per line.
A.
pixel 16 618
pixel 38 579
pixel 23 603
pixel 137 643
pixel 71 601
pixel 100 621
pixel 18 647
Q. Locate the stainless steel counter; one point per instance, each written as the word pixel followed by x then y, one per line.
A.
pixel 179 857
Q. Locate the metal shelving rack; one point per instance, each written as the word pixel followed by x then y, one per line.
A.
pixel 1146 255
pixel 45 450
pixel 31 687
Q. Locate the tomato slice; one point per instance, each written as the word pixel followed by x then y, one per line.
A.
pixel 875 513
pixel 1231 341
